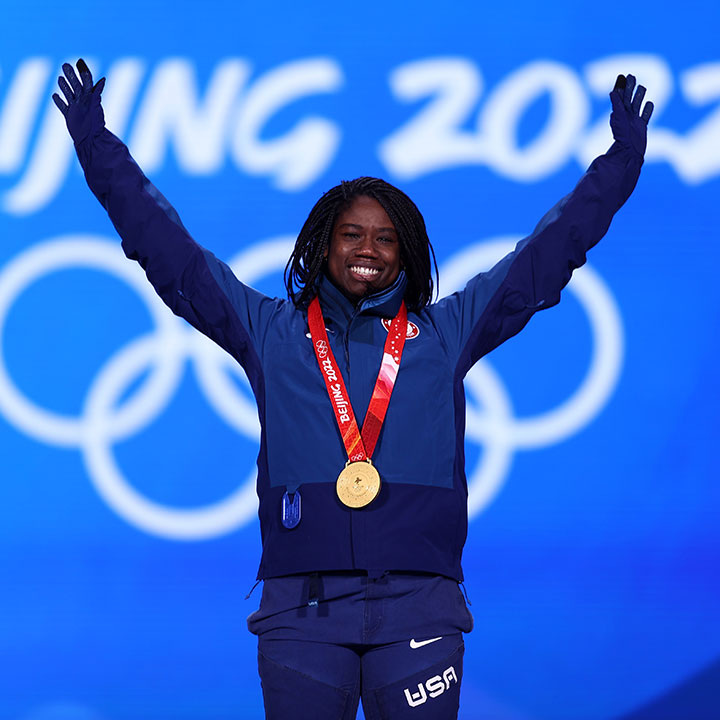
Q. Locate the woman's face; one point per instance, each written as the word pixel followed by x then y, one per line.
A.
pixel 364 254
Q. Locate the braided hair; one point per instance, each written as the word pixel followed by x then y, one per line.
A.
pixel 306 261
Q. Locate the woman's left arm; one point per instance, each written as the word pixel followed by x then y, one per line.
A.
pixel 497 304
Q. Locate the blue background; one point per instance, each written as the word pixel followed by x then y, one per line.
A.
pixel 593 570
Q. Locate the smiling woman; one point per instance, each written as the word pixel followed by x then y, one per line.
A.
pixel 361 595
pixel 371 226
pixel 364 254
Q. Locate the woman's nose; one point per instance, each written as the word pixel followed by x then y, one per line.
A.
pixel 367 246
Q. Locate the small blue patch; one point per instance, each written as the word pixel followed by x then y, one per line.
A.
pixel 291 509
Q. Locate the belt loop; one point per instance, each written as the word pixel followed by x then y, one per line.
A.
pixel 313 590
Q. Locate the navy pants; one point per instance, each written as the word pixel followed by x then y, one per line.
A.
pixel 395 641
pixel 323 681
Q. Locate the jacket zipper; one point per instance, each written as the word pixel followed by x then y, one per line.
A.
pixel 347 341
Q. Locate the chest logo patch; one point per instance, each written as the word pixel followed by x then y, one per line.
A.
pixel 412 329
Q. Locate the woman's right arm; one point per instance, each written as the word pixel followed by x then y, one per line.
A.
pixel 189 279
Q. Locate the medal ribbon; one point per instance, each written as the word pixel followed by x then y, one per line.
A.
pixel 359 447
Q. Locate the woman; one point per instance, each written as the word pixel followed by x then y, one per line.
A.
pixel 363 523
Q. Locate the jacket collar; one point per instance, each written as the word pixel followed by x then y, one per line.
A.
pixel 385 304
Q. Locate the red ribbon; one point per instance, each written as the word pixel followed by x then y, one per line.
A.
pixel 359 447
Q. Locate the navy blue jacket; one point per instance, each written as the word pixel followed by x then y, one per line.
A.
pixel 419 520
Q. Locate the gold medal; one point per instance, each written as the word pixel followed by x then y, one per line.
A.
pixel 358 484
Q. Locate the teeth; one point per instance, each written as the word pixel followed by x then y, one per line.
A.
pixel 364 270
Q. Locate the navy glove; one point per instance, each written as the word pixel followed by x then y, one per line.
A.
pixel 83 112
pixel 629 127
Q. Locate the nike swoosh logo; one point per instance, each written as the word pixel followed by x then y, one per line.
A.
pixel 414 644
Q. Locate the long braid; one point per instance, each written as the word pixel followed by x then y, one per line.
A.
pixel 306 261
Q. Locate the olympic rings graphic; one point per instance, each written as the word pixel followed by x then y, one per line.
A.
pixel 104 420
pixel 322 349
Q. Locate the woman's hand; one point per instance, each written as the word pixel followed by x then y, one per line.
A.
pixel 629 126
pixel 83 112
